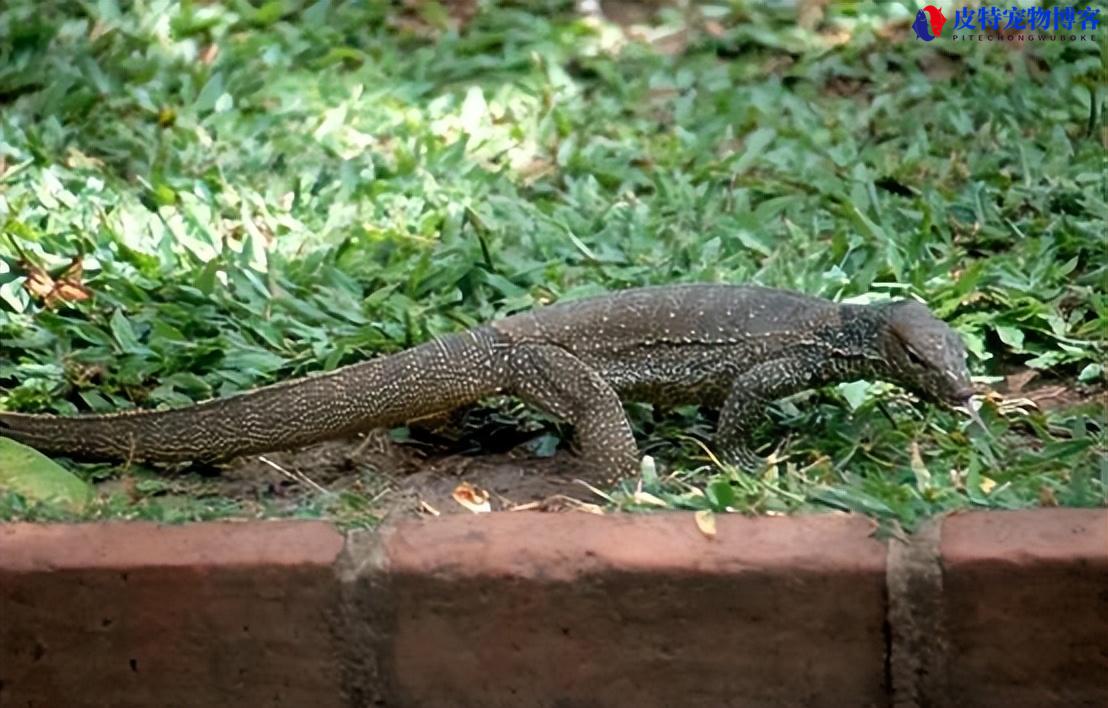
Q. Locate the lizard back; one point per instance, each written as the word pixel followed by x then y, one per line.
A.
pixel 675 343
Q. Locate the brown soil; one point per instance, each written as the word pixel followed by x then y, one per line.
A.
pixel 408 478
pixel 1049 395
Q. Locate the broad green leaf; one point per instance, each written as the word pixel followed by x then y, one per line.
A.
pixel 35 476
pixel 209 94
pixel 752 149
pixel 1091 372
pixel 854 393
pixel 720 495
pixel 125 334
pixel 1012 336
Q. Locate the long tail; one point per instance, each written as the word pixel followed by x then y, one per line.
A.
pixel 436 376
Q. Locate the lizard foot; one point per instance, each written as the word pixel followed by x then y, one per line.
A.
pixel 612 467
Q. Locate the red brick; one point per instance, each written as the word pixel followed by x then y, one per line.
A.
pixel 577 610
pixel 547 610
pixel 1026 608
pixel 135 614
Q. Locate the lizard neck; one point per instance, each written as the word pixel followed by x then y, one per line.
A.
pixel 853 344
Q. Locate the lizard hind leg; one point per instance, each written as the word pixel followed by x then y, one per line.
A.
pixel 557 382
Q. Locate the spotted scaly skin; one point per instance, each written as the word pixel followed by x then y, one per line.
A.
pixel 736 348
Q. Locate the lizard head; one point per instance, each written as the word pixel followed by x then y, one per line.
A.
pixel 923 354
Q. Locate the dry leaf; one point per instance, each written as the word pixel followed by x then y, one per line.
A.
pixel 1048 393
pixel 603 495
pixel 98 30
pixel 957 478
pixel 209 54
pixel 923 475
pixel 78 160
pixel 714 28
pixel 1017 381
pixel 706 522
pixel 38 283
pixel 535 169
pixel 83 374
pixel 987 484
pixel 472 498
pixel 70 287
pixel 67 288
pixel 1046 497
pixel 810 13
pixel 559 502
pixel 647 498
pixel 429 509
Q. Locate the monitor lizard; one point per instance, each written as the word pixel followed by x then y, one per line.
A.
pixel 735 348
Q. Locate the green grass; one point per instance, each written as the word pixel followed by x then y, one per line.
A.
pixel 257 192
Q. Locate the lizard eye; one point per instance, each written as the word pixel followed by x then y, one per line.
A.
pixel 915 358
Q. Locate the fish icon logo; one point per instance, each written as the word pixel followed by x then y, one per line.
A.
pixel 929 23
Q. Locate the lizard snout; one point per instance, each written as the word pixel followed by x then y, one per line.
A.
pixel 962 395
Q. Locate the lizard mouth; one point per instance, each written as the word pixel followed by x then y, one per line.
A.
pixel 962 401
pixel 960 398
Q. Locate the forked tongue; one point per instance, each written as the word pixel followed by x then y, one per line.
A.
pixel 976 418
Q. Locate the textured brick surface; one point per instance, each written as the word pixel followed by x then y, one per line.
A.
pixel 142 615
pixel 1026 608
pixel 577 610
pixel 559 610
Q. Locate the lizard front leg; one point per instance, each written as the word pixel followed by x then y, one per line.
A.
pixel 746 404
pixel 554 380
